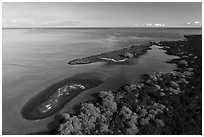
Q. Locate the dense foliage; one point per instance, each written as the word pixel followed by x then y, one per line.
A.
pixel 126 111
pixel 162 103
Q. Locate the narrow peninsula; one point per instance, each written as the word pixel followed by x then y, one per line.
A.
pixel 120 56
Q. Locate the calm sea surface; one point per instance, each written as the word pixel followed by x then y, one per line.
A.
pixel 33 59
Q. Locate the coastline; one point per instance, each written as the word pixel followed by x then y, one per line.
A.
pixel 120 56
pixel 178 92
pixel 50 103
pixel 190 95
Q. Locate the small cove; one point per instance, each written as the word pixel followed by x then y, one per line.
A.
pixel 155 60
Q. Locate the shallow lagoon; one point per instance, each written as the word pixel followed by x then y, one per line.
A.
pixel 53 98
pixel 35 59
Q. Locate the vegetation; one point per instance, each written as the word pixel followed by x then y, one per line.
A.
pixel 127 111
pixel 161 103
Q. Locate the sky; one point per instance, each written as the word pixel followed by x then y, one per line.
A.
pixel 120 14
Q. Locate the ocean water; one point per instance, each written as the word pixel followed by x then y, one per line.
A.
pixel 33 59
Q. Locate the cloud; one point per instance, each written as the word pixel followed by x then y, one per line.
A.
pixel 70 23
pixel 17 23
pixel 41 23
pixel 149 24
pixel 191 24
pixel 196 22
pixel 51 23
pixel 155 25
pixel 28 21
pixel 159 25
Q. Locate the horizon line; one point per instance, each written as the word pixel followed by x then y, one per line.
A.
pixel 99 27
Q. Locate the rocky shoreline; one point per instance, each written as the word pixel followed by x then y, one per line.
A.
pixel 161 103
pixel 115 57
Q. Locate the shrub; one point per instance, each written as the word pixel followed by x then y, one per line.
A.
pixel 125 112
